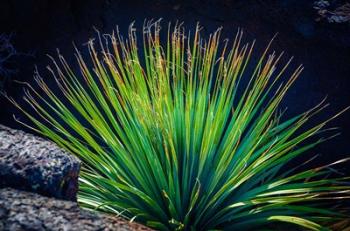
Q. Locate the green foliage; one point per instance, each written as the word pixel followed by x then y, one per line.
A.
pixel 175 139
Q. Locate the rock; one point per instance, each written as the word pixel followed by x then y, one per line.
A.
pixel 31 163
pixel 21 211
pixel 333 12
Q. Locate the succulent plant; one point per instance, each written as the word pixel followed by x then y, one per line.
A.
pixel 177 134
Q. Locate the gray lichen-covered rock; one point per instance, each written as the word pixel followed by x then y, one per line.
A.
pixel 21 211
pixel 31 163
pixel 333 11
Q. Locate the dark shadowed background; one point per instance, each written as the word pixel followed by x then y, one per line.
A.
pixel 39 27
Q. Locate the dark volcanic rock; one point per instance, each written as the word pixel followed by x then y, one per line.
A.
pixel 33 164
pixel 28 211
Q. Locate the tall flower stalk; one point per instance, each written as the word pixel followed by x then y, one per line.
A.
pixel 180 136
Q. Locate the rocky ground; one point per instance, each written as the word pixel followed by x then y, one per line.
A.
pixel 22 211
pixel 39 185
pixel 32 163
